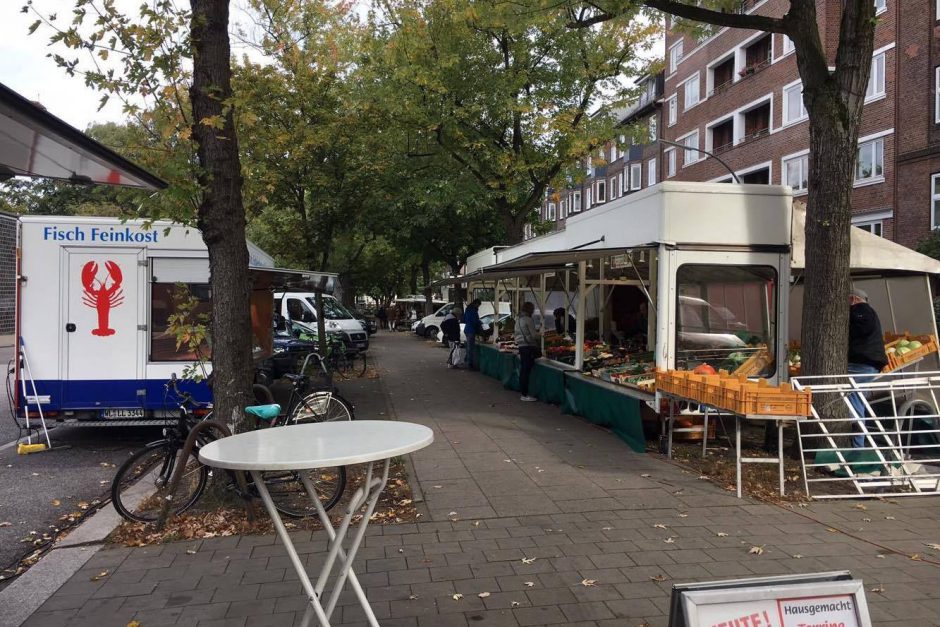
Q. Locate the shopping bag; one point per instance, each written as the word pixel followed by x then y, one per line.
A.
pixel 458 354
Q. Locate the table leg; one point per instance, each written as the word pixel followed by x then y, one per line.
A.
pixel 370 496
pixel 672 419
pixel 783 485
pixel 291 551
pixel 737 448
pixel 705 432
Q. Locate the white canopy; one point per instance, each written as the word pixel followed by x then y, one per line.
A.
pixel 869 251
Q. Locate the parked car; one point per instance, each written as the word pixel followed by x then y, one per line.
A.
pixel 486 321
pixel 366 320
pixel 301 307
pixel 430 326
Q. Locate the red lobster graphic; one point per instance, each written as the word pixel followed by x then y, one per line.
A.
pixel 103 297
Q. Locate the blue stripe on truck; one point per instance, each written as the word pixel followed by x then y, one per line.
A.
pixel 111 394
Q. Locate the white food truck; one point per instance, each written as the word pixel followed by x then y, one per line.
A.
pixel 93 299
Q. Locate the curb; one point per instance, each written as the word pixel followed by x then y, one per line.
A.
pixel 30 590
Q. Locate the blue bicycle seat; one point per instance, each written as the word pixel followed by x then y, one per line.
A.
pixel 264 412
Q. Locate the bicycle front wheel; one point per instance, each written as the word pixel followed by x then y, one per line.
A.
pixel 290 497
pixel 322 406
pixel 152 468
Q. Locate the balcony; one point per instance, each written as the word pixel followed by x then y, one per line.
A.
pixel 757 122
pixel 756 57
pixel 722 137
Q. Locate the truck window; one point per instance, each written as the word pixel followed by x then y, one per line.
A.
pixel 298 310
pixel 332 309
pixel 727 317
pixel 169 299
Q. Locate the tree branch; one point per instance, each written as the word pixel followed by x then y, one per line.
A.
pixel 698 14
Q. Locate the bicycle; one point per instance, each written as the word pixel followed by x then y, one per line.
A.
pixel 307 404
pixel 159 459
pixel 347 363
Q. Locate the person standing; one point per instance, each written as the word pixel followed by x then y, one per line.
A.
pixel 382 315
pixel 472 327
pixel 392 317
pixel 560 322
pixel 450 327
pixel 866 351
pixel 527 340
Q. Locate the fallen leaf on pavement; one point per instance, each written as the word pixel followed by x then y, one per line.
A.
pixel 483 595
pixel 134 623
pixel 860 506
pixel 890 518
pixel 528 560
pixel 437 486
pixel 721 534
pixel 659 526
pixel 756 550
pixel 82 505
pixel 658 578
pixel 56 502
pixel 587 583
pixel 866 519
pixel 670 540
pixel 683 515
pixel 412 597
pixel 457 596
pixel 6 523
pixel 452 514
pixel 879 589
pixel 100 576
pixel 514 603
pixel 529 584
pixel 190 551
pixel 798 556
pixel 935 547
pixel 646 476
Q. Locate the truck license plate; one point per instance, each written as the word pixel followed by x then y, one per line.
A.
pixel 123 413
pixel 360 344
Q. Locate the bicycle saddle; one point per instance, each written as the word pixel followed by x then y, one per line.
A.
pixel 264 412
pixel 293 377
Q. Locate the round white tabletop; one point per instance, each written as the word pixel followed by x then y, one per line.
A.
pixel 317 445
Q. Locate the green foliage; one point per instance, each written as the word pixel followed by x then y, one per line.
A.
pixel 930 245
pixel 190 326
pixel 506 90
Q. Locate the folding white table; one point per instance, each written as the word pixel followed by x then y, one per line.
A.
pixel 322 445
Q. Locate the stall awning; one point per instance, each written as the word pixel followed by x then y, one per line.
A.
pixel 295 280
pixel 869 251
pixel 35 143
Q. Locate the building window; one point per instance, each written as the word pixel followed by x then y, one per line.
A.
pixel 675 56
pixel 636 176
pixel 722 136
pixel 624 183
pixel 673 105
pixel 691 154
pixel 876 80
pixel 788 46
pixel 875 228
pixel 870 165
pixel 796 173
pixel 576 202
pixel 670 155
pixel 551 211
pixel 793 108
pixel 691 92
pixel 613 152
pixel 936 87
pixel 756 56
pixel 601 192
pixel 881 6
pixel 588 201
pixel 935 201
pixel 651 172
pixel 756 121
pixel 722 75
pixel 613 188
pixel 653 136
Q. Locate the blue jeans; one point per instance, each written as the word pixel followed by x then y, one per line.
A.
pixel 855 399
pixel 471 358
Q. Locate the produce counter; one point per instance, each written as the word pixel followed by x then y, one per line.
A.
pixel 601 403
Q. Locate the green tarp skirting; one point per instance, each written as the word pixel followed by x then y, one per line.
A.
pixel 575 393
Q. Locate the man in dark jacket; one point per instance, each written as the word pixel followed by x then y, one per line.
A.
pixel 866 349
pixel 472 327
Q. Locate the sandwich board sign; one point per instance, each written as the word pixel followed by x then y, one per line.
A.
pixel 832 599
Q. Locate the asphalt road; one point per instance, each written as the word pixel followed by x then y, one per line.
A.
pixel 79 468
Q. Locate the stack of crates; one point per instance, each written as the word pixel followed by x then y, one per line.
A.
pixel 735 393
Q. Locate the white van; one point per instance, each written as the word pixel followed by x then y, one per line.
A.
pixel 430 325
pixel 301 307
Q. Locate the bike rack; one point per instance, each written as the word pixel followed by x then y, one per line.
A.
pixel 178 471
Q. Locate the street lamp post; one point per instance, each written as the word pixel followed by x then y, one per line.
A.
pixel 715 157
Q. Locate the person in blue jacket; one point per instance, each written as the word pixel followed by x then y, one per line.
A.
pixel 472 326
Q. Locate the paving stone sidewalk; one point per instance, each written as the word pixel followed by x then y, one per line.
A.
pixel 527 505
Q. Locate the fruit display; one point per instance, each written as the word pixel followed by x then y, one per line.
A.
pixel 903 350
pixel 508 346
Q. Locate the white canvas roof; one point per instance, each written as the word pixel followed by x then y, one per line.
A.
pixel 869 251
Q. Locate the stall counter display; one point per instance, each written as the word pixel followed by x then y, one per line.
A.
pixel 901 349
pixel 736 393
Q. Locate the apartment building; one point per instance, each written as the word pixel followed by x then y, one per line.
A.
pixel 737 94
pixel 620 167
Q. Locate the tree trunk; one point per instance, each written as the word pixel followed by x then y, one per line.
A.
pixel 221 214
pixel 828 222
pixel 426 278
pixel 413 280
